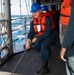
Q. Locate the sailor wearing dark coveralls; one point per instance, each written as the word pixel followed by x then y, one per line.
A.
pixel 43 34
pixel 68 45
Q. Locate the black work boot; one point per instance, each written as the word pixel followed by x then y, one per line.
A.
pixel 44 69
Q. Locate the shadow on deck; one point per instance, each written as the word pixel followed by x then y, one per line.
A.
pixel 31 62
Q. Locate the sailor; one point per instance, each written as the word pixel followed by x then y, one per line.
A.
pixel 67 51
pixel 43 33
pixel 64 18
pixel 55 15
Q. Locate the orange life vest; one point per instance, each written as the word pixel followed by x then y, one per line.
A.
pixel 40 24
pixel 65 12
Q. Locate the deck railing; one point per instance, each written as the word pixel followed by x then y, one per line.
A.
pixel 4 36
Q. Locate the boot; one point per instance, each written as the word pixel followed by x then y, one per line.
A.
pixel 44 69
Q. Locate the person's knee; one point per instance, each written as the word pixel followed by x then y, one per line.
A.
pixel 43 46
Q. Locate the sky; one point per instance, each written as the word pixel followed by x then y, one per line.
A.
pixel 25 7
pixel 15 7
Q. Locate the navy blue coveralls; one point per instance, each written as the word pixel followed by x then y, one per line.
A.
pixel 44 41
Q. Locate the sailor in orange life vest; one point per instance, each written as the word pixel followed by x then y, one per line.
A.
pixel 43 34
pixel 67 51
pixel 55 15
pixel 64 18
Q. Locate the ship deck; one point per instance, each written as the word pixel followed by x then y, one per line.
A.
pixel 29 62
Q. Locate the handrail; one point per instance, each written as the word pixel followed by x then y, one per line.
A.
pixel 12 30
pixel 3 20
pixel 17 18
pixel 17 28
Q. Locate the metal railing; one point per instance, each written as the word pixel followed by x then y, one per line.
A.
pixel 15 29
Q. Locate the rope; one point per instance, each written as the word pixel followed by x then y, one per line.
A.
pixel 20 58
pixel 26 37
pixel 18 62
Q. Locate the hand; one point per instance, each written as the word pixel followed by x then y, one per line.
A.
pixel 34 40
pixel 28 44
pixel 62 54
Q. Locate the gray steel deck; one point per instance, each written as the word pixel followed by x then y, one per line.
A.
pixel 31 63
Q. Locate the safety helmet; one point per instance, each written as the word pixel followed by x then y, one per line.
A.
pixel 44 8
pixel 35 7
pixel 51 7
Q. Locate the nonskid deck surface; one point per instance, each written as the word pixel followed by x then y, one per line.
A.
pixel 31 62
